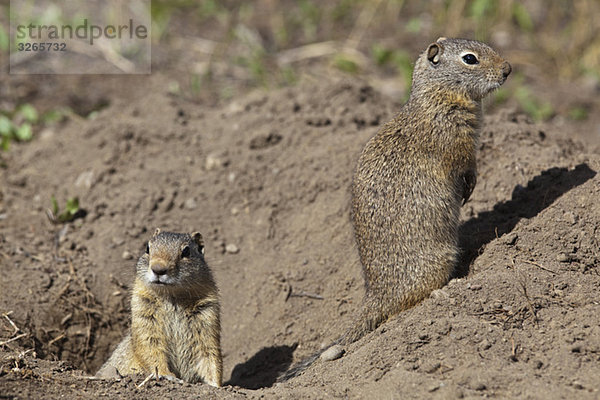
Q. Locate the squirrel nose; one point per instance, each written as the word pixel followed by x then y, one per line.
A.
pixel 159 268
pixel 506 69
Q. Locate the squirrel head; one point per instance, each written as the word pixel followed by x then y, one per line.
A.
pixel 465 67
pixel 173 262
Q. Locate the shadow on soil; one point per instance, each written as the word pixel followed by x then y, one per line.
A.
pixel 526 202
pixel 263 368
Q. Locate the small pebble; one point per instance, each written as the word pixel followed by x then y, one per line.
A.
pixel 430 368
pixel 485 344
pixel 47 134
pixel 190 204
pixel 440 294
pixel 570 218
pixel 126 255
pixel 109 372
pixel 212 161
pixel 510 238
pixel 433 387
pixel 85 180
pixel 232 248
pixel 333 353
pixel 563 257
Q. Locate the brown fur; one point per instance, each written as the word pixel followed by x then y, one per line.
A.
pixel 411 179
pixel 175 326
pixel 413 176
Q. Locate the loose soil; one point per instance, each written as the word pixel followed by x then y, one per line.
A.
pixel 266 179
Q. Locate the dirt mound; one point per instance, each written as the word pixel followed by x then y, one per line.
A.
pixel 266 180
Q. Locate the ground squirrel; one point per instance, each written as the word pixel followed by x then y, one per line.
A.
pixel 175 321
pixel 412 178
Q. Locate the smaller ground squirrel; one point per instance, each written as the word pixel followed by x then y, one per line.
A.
pixel 175 315
pixel 412 178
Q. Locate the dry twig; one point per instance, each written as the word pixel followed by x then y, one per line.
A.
pixel 313 50
pixel 302 293
pixel 513 352
pixel 5 342
pixel 15 327
pixel 539 266
pixel 152 375
pixel 81 282
pixel 529 303
pixel 56 339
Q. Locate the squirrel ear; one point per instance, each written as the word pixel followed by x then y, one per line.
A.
pixel 197 238
pixel 156 232
pixel 433 53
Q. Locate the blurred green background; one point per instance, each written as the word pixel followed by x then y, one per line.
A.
pixel 212 51
pixel 563 34
pixel 272 43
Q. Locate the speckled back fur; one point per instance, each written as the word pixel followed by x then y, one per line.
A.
pixel 412 178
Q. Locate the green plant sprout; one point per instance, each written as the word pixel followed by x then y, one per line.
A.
pixel 70 212
pixel 17 125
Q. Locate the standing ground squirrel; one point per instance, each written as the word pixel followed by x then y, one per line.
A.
pixel 412 178
pixel 175 321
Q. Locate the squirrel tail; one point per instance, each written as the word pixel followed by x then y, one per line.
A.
pixel 367 321
pixel 304 364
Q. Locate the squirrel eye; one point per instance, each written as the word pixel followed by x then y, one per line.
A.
pixel 470 59
pixel 185 253
pixel 147 248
